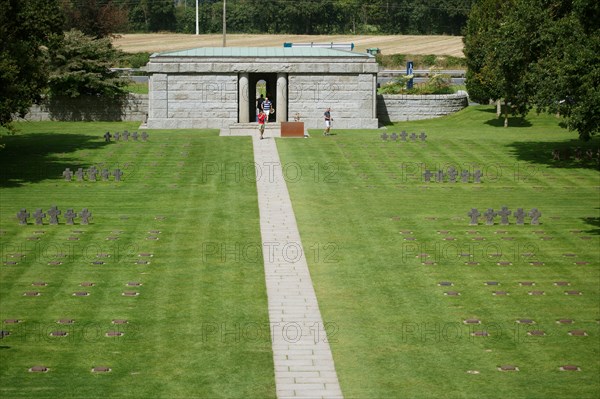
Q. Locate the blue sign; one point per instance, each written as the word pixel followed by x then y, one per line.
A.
pixel 409 71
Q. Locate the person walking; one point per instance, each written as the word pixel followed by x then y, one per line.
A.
pixel 259 102
pixel 266 107
pixel 328 120
pixel 261 123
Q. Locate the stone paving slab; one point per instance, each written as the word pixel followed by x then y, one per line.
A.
pixel 304 366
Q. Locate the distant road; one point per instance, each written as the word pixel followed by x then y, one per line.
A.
pixel 457 76
pixel 388 44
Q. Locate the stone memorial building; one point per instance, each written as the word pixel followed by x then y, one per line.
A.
pixel 216 87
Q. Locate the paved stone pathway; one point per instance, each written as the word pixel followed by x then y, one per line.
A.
pixel 304 365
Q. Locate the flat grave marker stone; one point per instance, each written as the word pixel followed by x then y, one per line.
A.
pixel 38 369
pixel 569 367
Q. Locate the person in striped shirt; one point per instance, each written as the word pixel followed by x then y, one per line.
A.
pixel 266 106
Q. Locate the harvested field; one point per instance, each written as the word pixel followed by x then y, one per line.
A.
pixel 391 44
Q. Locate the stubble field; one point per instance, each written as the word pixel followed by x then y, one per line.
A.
pixel 390 44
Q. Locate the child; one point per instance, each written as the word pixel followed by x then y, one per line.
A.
pixel 261 122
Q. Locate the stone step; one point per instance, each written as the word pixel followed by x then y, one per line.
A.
pixel 272 129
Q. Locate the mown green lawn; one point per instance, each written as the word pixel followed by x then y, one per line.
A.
pixel 366 217
pixel 199 327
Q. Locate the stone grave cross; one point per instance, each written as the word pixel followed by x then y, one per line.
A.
pixel 474 214
pixel 117 173
pixel 439 176
pixel 85 215
pixel 504 213
pixel 39 216
pixel 70 215
pixel 53 213
pixel 489 216
pixel 68 174
pixel 534 214
pixel 427 175
pixel 520 215
pixel 92 173
pixel 452 173
pixel 464 175
pixel 22 215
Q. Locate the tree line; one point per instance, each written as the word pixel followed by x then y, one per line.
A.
pixel 101 17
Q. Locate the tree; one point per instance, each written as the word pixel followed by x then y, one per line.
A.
pixel 153 15
pixel 567 78
pixel 542 53
pixel 97 18
pixel 500 47
pixel 81 67
pixel 28 29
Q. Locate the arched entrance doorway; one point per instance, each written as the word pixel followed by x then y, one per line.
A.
pixel 265 84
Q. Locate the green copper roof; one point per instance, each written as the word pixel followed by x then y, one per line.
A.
pixel 261 52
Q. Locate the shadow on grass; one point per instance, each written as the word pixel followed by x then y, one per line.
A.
pixel 595 222
pixel 573 153
pixel 30 158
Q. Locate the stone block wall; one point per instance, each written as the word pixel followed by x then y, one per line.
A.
pixel 90 109
pixel 192 101
pixel 401 107
pixel 350 97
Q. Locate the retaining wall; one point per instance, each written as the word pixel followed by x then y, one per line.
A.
pixel 404 107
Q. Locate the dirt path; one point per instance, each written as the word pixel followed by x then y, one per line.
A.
pixel 158 42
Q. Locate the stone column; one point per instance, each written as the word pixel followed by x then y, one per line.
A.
pixel 243 99
pixel 374 114
pixel 282 105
